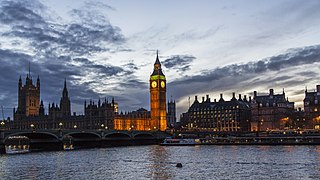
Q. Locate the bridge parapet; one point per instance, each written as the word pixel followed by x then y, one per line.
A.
pixel 61 133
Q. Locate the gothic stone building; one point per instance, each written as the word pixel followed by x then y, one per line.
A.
pixel 100 115
pixel 233 115
pixel 271 112
pixel 31 112
pixel 28 99
pixel 156 118
pixel 312 108
pixel 171 113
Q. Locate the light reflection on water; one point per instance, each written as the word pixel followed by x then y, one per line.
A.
pixel 158 162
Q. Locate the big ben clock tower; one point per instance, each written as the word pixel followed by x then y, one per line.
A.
pixel 158 97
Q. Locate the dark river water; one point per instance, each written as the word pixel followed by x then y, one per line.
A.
pixel 158 162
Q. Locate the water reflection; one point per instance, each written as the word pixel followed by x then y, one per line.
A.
pixel 158 162
pixel 160 165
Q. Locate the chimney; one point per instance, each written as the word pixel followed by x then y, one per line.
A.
pixel 249 98
pixel 240 97
pixel 271 92
pixel 221 98
pixel 254 94
pixel 202 99
pixel 195 98
pixel 208 99
pixel 233 97
pixel 245 98
pixel 318 89
pixel 215 100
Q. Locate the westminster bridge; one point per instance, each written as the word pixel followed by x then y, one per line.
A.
pixel 53 139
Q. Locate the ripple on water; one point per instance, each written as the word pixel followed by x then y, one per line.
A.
pixel 158 162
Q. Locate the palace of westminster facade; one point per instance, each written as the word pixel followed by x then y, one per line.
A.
pixel 30 113
pixel 260 113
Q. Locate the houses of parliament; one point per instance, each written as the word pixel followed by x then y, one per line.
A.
pixel 30 112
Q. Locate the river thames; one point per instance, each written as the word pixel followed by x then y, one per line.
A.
pixel 159 162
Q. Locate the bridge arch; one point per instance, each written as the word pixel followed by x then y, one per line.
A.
pixel 117 135
pixel 143 135
pixel 83 135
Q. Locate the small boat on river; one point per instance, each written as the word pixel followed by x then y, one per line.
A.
pixel 180 142
pixel 17 145
pixel 68 143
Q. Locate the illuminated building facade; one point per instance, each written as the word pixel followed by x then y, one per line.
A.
pixel 135 120
pixel 233 115
pixel 312 108
pixel 270 112
pixel 141 119
pixel 28 99
pixel 96 116
pixel 100 115
pixel 158 97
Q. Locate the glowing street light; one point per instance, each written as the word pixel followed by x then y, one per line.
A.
pixel 32 126
pixel 2 124
pixel 60 125
pixel 102 126
pixel 75 126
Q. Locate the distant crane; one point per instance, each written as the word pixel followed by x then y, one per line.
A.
pixel 2 122
pixel 2 113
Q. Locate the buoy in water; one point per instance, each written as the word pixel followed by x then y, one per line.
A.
pixel 179 165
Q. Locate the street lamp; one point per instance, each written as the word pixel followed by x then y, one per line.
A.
pixel 75 126
pixel 2 124
pixel 32 126
pixel 60 125
pixel 102 126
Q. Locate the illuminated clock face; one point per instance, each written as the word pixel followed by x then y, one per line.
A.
pixel 163 84
pixel 154 84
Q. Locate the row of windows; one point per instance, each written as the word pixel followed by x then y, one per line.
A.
pixel 216 115
pixel 211 112
pixel 216 108
pixel 215 121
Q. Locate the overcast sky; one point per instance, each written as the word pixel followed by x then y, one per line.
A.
pixel 107 48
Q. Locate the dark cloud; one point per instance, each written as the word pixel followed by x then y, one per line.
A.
pixel 59 50
pixel 101 69
pixel 307 74
pixel 180 63
pixel 88 34
pixel 244 76
pixel 52 75
pixel 18 13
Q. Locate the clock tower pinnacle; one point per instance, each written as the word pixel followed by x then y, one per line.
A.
pixel 158 97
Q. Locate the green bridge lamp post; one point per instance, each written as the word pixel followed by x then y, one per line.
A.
pixel 60 125
pixel 102 126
